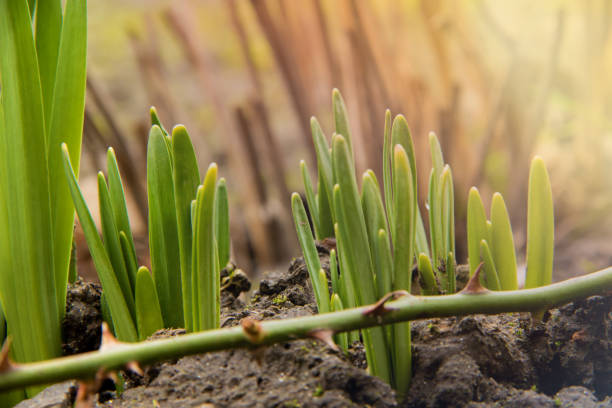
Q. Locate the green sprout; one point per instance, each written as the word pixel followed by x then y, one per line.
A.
pixel 492 243
pixel 379 241
pixel 188 239
pixel 42 71
pixel 376 241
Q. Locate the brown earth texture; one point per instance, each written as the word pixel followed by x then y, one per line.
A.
pixel 565 360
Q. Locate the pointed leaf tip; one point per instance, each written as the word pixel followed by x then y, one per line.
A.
pixel 179 128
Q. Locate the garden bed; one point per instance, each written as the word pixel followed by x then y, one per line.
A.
pixel 478 361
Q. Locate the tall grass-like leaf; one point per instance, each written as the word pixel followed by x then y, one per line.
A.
pixel 325 183
pixel 341 338
pixel 355 257
pixel 435 224
pixel 206 277
pixel 66 126
pixel 476 228
pixel 26 239
pixel 540 226
pixel 404 196
pixel 129 256
pixel 491 276
pixel 374 214
pixel 387 158
pixel 48 30
pixel 122 221
pixel 341 120
pixel 353 219
pixel 186 178
pixel 421 246
pixel 449 263
pixel 222 226
pixel 333 271
pixel 121 316
pixel 311 256
pixel 384 275
pixel 313 205
pixel 113 245
pixel 148 312
pixel 502 244
pixel 348 289
pixel 428 279
pixel 163 231
pixel 400 134
pixel 326 217
pixel 447 210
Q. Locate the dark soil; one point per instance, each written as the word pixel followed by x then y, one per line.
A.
pixel 82 324
pixel 472 361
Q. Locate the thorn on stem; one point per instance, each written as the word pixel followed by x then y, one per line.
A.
pixel 325 335
pixel 379 308
pixel 252 330
pixel 109 342
pixel 473 286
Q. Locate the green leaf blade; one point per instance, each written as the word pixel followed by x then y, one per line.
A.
pixel 540 226
pixel 206 270
pixel 25 225
pixel 186 178
pixel 222 223
pixel 502 244
pixel 476 228
pixel 122 321
pixel 428 279
pixel 341 119
pixel 148 311
pixel 374 214
pixel 311 256
pixel 404 197
pixel 113 245
pixel 119 206
pixel 405 205
pixel 163 229
pixel 66 126
pixel 310 200
pixel 491 278
pixel 48 31
pixel 325 176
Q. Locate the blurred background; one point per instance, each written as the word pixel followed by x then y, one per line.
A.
pixel 498 81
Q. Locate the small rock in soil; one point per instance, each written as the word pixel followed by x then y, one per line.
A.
pixel 56 396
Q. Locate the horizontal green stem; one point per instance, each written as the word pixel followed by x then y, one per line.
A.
pixel 274 331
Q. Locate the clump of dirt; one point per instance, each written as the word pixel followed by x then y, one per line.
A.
pixel 294 374
pixel 575 347
pixel 81 327
pixel 507 360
